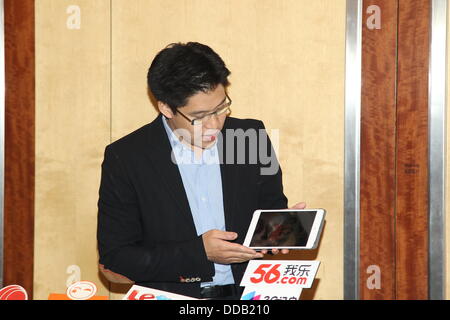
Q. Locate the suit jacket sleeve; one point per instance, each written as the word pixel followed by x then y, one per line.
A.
pixel 119 234
pixel 270 182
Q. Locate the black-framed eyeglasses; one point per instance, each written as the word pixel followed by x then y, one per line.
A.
pixel 224 109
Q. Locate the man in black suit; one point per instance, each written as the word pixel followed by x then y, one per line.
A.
pixel 177 195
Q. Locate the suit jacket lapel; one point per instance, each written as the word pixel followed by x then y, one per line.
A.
pixel 171 177
pixel 167 169
pixel 229 174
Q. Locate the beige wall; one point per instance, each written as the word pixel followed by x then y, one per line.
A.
pixel 287 63
pixel 72 128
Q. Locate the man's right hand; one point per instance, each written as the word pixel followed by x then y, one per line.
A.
pixel 220 250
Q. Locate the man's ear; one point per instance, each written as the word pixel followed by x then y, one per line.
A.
pixel 165 110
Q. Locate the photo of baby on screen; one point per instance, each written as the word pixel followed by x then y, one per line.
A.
pixel 278 229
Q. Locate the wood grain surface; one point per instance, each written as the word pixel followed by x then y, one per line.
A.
pixel 19 144
pixel 412 150
pixel 377 184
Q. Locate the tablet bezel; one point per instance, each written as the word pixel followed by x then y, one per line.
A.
pixel 313 238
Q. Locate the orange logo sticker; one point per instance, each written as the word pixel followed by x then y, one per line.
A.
pixel 81 290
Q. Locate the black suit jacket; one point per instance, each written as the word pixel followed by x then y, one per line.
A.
pixel 145 227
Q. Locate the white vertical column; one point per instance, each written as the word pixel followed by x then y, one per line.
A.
pixel 437 146
pixel 352 147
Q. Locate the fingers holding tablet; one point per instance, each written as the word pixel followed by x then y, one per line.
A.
pixel 271 231
pixel 220 250
pixel 275 251
pixel 300 205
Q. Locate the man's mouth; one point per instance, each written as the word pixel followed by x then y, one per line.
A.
pixel 209 137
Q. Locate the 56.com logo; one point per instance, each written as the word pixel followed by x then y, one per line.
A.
pixel 266 273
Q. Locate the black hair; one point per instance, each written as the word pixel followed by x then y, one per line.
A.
pixel 181 70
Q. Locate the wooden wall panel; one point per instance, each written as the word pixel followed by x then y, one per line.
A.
pixel 72 129
pixel 19 144
pixel 412 150
pixel 394 150
pixel 287 61
pixel 377 167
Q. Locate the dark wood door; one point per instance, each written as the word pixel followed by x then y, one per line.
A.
pixel 394 150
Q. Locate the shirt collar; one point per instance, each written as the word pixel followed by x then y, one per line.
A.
pixel 209 156
pixel 174 141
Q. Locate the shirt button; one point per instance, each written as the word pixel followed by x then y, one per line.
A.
pixel 203 199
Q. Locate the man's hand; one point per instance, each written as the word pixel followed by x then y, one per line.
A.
pixel 300 205
pixel 220 250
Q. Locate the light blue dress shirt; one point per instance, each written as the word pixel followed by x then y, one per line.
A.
pixel 203 185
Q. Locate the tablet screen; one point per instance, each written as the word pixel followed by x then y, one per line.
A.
pixel 283 229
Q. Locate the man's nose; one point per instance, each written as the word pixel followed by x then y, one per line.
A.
pixel 212 122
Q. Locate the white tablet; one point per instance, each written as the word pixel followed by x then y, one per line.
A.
pixel 285 229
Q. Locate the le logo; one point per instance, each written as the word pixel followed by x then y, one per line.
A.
pixel 134 295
